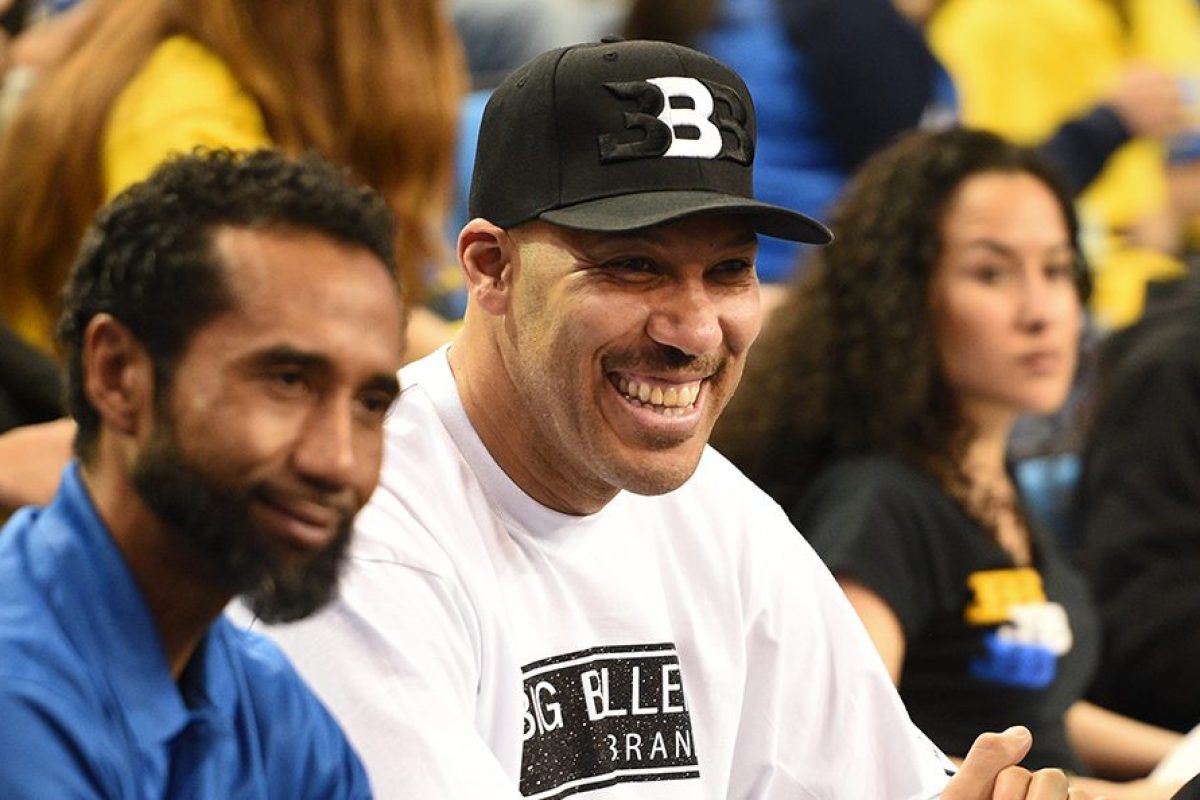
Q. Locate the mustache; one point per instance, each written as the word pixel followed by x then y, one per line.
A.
pixel 662 358
pixel 344 503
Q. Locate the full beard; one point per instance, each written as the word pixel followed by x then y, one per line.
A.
pixel 215 524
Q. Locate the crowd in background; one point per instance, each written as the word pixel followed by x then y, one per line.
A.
pixel 1100 483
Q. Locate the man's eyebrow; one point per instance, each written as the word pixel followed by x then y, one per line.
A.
pixel 384 382
pixel 288 355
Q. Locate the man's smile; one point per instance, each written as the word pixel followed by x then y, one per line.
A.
pixel 670 398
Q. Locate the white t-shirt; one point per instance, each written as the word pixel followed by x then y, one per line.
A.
pixel 689 645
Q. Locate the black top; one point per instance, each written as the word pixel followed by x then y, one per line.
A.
pixel 1139 517
pixel 1190 790
pixel 989 645
pixel 30 383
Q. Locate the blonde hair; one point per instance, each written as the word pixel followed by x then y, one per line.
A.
pixel 381 82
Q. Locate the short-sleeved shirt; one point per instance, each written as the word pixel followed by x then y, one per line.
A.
pixel 683 645
pixel 988 644
pixel 89 707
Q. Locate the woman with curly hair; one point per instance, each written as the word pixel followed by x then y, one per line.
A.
pixel 876 410
pixel 372 84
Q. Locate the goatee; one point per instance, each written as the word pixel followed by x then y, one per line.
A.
pixel 215 523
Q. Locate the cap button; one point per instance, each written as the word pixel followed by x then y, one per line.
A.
pixel 611 38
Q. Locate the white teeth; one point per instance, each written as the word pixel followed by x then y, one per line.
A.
pixel 673 400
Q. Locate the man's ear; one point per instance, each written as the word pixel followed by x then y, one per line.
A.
pixel 488 255
pixel 118 376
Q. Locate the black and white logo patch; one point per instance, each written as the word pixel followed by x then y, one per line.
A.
pixel 604 716
pixel 679 117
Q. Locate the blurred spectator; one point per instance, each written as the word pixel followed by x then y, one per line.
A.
pixel 30 386
pixel 12 16
pixel 1025 67
pixel 811 66
pixel 810 63
pixel 883 395
pixel 1139 513
pixel 500 35
pixel 1102 79
pixel 32 458
pixel 41 35
pixel 374 85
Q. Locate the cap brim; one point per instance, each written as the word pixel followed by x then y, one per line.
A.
pixel 630 212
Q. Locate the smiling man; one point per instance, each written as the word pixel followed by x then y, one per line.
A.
pixel 558 589
pixel 232 331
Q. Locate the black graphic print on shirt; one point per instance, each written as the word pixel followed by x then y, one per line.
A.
pixel 602 716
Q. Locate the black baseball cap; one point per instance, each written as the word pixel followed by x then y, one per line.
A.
pixel 622 135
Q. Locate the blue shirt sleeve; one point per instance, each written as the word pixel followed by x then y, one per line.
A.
pixel 870 70
pixel 41 753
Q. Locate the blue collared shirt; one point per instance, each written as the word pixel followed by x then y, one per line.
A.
pixel 88 705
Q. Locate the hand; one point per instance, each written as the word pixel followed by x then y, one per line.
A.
pixel 31 462
pixel 1149 101
pixel 990 772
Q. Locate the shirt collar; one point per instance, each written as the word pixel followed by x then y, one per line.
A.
pixel 104 613
pixel 507 499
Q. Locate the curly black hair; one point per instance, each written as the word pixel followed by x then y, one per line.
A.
pixel 848 364
pixel 148 259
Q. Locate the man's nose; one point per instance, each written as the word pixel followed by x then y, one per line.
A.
pixel 687 319
pixel 325 452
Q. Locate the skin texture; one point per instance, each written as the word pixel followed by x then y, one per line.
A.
pixel 308 423
pixel 562 321
pixel 281 398
pixel 1006 311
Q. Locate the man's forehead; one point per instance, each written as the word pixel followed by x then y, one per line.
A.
pixel 238 252
pixel 246 253
pixel 252 257
pixel 307 281
pixel 718 230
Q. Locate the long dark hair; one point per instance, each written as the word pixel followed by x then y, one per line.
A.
pixel 848 364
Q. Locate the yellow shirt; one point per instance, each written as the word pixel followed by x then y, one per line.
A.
pixel 183 97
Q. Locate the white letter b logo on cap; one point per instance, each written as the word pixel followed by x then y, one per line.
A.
pixel 652 129
pixel 709 143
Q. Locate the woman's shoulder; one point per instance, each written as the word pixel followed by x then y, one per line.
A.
pixel 875 495
pixel 877 474
pixel 181 57
pixel 182 97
